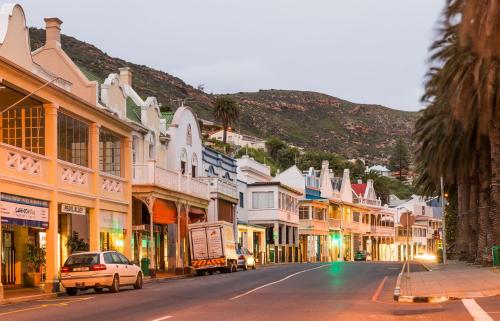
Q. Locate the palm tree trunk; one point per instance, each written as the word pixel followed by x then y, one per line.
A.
pixel 463 233
pixel 472 218
pixel 495 178
pixel 485 231
pixel 224 135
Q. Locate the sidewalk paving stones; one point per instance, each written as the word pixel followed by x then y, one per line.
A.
pixel 455 280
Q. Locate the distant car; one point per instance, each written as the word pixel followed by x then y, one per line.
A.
pixel 99 270
pixel 245 259
pixel 361 256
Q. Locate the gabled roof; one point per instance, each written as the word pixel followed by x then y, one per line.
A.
pixel 359 189
pixel 133 111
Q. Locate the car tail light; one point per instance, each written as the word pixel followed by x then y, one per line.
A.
pixel 98 267
pixel 241 257
pixel 65 269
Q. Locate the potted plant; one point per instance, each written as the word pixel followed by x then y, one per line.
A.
pixel 35 259
pixel 75 243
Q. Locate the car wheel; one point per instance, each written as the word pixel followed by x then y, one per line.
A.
pixel 71 291
pixel 115 286
pixel 98 290
pixel 138 282
pixel 245 265
pixel 234 266
pixel 254 266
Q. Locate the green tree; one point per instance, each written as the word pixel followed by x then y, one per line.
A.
pixel 357 169
pixel 400 160
pixel 226 111
pixel 274 145
pixel 287 157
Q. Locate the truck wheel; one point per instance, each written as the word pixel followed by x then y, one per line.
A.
pixel 210 271
pixel 200 272
pixel 71 291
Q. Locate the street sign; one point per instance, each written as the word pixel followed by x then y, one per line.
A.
pixel 407 220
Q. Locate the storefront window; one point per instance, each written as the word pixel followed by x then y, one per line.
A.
pixel 72 140
pixel 112 231
pixel 109 153
pixel 24 127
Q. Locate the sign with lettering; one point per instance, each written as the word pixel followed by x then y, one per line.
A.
pixel 23 211
pixel 73 209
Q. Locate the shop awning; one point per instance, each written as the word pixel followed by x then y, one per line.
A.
pixel 196 214
pixel 164 212
pixel 196 211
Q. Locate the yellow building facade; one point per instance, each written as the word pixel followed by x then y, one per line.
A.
pixel 65 162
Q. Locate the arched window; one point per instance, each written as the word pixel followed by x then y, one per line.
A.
pixel 211 171
pixel 189 136
pixel 227 176
pixel 194 165
pixel 183 161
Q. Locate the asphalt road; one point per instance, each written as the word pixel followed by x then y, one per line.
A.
pixel 337 291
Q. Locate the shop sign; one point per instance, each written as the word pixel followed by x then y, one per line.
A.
pixel 23 211
pixel 73 209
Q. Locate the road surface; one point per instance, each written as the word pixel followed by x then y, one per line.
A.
pixel 324 291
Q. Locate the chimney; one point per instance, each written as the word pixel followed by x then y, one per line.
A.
pixel 52 32
pixel 125 76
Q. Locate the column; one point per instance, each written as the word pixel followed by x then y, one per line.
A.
pixel 276 241
pixel 94 164
pixel 127 165
pixel 52 265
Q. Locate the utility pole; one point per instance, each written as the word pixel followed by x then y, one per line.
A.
pixel 444 221
pixel 408 245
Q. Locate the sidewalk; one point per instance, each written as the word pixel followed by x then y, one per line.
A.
pixel 455 280
pixel 26 294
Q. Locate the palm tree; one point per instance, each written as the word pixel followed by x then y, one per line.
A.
pixel 478 30
pixel 227 111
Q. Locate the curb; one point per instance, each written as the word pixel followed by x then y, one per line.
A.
pixel 28 298
pixel 425 266
pixel 415 299
pixel 397 288
pixel 177 277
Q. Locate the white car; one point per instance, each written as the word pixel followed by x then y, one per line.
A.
pixel 99 270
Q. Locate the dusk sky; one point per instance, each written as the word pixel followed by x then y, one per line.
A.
pixel 364 51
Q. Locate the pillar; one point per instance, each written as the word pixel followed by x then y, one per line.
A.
pixel 52 264
pixel 127 161
pixel 276 241
pixel 94 212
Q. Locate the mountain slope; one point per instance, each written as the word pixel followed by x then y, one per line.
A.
pixel 305 119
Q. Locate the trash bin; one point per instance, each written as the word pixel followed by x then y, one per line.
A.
pixel 496 255
pixel 145 266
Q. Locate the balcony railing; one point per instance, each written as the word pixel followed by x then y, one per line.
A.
pixel 152 174
pixel 220 185
pixel 334 223
pixel 314 224
pixel 20 164
pixel 365 201
pixel 382 230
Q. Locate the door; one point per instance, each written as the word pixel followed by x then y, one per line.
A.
pixel 129 271
pixel 8 258
pixel 117 266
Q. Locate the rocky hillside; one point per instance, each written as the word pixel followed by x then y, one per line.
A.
pixel 305 119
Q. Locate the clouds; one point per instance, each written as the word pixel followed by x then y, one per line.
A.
pixel 365 51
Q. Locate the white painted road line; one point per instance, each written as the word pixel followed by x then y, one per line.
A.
pixel 283 279
pixel 477 313
pixel 163 318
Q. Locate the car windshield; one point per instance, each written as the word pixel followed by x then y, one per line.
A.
pixel 82 260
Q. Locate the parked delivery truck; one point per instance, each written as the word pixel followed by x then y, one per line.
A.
pixel 212 247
